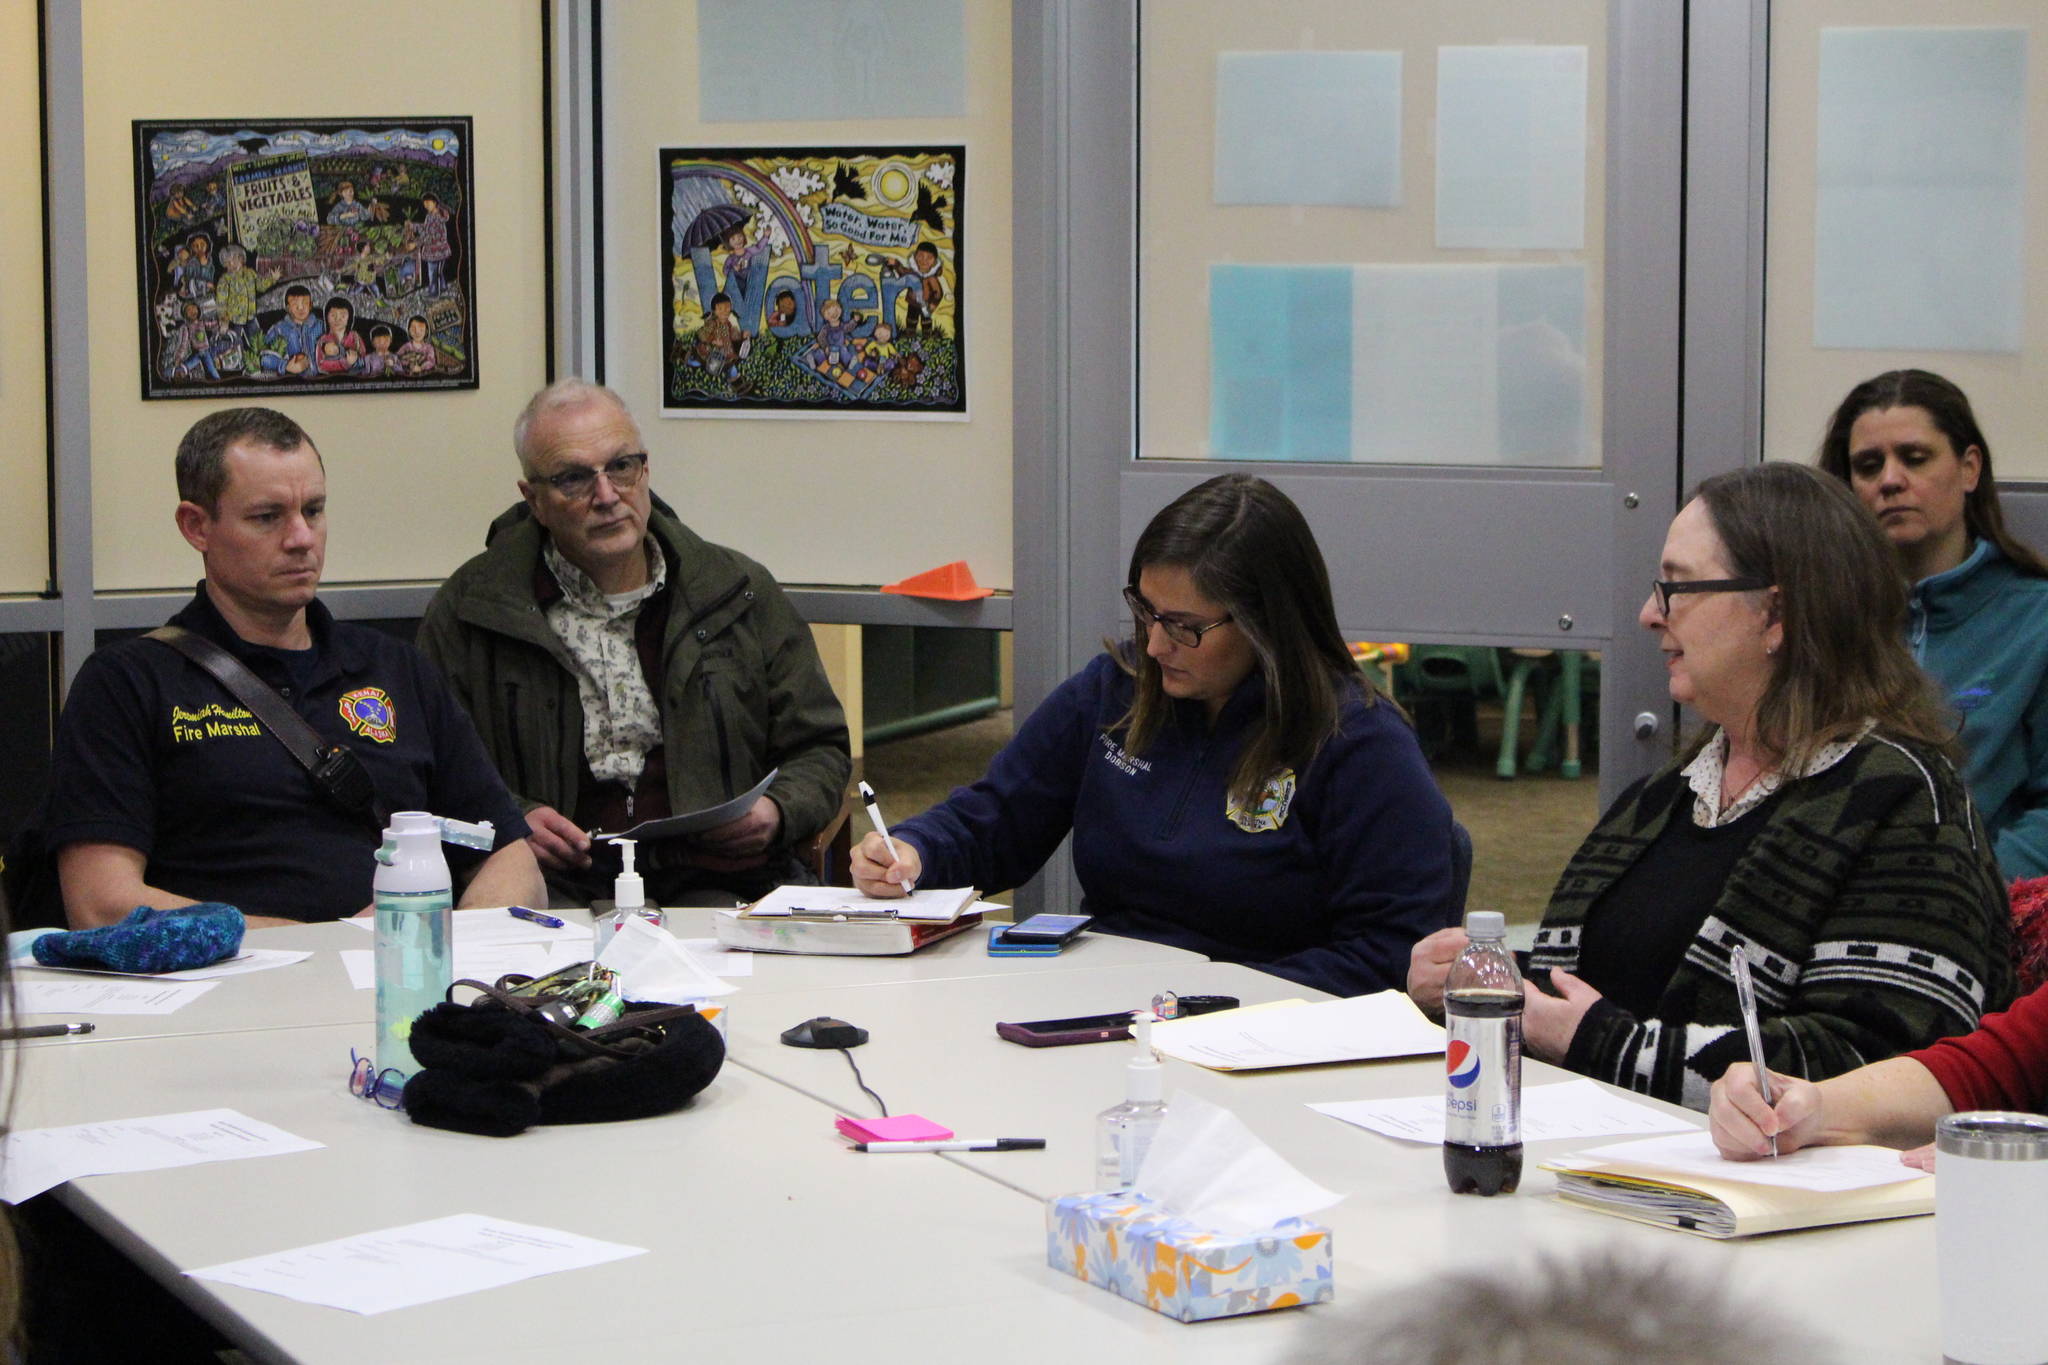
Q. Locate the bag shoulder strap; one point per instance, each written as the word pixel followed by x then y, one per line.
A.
pixel 259 696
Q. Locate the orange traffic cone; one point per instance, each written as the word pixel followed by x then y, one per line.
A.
pixel 949 583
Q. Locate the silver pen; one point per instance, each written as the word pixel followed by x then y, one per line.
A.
pixel 1745 996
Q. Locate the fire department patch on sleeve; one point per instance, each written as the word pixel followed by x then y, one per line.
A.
pixel 369 712
pixel 1269 811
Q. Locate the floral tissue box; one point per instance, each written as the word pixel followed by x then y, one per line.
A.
pixel 1124 1243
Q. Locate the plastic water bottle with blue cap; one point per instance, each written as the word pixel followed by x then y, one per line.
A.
pixel 415 896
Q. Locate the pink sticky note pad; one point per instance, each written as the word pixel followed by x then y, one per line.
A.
pixel 901 1128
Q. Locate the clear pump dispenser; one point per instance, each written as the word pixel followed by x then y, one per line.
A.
pixel 1124 1132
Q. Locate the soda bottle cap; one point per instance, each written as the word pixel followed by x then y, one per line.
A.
pixel 1486 924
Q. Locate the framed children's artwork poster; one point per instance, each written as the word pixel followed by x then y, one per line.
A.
pixel 814 282
pixel 305 256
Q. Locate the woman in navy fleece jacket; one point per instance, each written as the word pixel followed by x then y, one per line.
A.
pixel 1235 785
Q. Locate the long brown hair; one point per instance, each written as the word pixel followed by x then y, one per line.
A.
pixel 1248 549
pixel 1842 605
pixel 1949 409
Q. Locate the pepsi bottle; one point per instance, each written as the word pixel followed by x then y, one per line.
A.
pixel 1483 1062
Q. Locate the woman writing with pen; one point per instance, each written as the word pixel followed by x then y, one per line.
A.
pixel 1234 784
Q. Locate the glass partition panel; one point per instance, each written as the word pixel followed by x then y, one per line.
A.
pixel 1371 233
pixel 1908 213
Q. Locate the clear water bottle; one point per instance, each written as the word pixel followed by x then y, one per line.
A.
pixel 414 899
pixel 1483 1062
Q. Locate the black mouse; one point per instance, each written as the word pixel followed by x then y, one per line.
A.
pixel 824 1031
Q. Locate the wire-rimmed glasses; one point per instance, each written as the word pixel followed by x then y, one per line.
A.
pixel 385 1089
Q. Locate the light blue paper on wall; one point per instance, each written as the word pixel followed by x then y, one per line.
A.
pixel 830 59
pixel 1470 364
pixel 1919 220
pixel 1308 128
pixel 1280 362
pixel 1511 147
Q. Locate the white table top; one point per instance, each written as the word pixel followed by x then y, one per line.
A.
pixel 772 1242
pixel 317 991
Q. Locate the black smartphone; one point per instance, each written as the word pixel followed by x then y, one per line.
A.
pixel 1098 1028
pixel 1047 929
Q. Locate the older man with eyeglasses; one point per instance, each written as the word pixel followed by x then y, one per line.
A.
pixel 622 669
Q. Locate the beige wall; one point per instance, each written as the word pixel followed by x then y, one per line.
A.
pixel 1804 382
pixel 823 501
pixel 24 471
pixel 412 478
pixel 1183 231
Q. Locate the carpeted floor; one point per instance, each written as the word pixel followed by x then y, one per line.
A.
pixel 1522 830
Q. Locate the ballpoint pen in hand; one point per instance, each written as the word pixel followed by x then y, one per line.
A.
pixel 1745 996
pixel 867 796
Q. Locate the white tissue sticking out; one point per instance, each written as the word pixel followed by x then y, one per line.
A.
pixel 653 966
pixel 1206 1166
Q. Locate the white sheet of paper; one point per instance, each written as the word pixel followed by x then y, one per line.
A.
pixel 1919 226
pixel 40 1158
pixel 1364 1028
pixel 1511 147
pixel 374 1272
pixel 485 962
pixel 1308 128
pixel 1573 1109
pixel 477 928
pixel 1811 1168
pixel 717 959
pixel 248 960
pixel 1470 364
pixel 879 59
pixel 105 995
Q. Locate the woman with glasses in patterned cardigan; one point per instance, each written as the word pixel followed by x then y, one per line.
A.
pixel 1818 822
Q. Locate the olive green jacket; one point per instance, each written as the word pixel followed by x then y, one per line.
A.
pixel 742 689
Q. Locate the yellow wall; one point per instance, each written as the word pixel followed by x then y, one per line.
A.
pixel 1803 382
pixel 823 501
pixel 412 478
pixel 24 470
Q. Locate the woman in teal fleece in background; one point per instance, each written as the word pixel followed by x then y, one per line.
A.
pixel 1908 445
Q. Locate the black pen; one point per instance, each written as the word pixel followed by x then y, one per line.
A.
pixel 44 1031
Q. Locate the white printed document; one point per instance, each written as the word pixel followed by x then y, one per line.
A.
pixel 494 926
pixel 1366 1028
pixel 1826 1169
pixel 1572 1109
pixel 248 960
pixel 480 962
pixel 40 1158
pixel 375 1272
pixel 125 995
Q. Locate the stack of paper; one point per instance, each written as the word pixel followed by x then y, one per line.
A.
pixel 1683 1182
pixel 1295 1033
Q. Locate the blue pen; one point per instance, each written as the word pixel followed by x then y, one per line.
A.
pixel 521 912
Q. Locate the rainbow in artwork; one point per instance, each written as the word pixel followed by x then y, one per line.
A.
pixel 814 280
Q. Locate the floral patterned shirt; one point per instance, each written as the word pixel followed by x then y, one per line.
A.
pixel 621 722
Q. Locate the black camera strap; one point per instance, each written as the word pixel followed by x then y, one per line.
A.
pixel 334 768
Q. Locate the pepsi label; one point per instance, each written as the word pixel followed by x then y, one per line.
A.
pixel 1483 1069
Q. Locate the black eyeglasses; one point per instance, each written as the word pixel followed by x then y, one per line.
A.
pixel 1666 589
pixel 1180 632
pixel 623 471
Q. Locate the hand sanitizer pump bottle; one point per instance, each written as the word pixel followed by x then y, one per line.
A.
pixel 629 897
pixel 1124 1132
pixel 414 896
